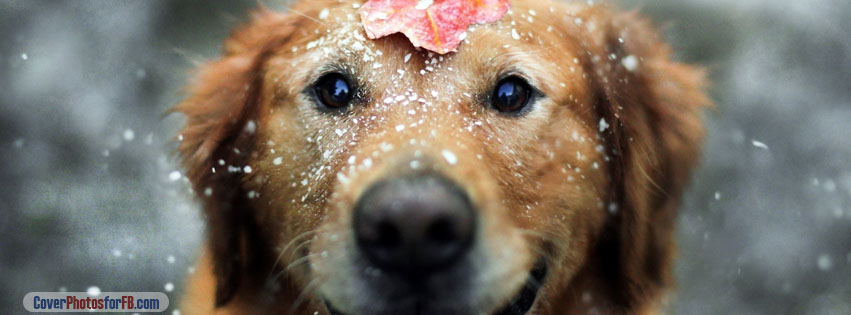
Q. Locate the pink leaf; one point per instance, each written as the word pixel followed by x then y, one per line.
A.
pixel 436 25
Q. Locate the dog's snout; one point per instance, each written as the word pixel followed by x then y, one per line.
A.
pixel 414 224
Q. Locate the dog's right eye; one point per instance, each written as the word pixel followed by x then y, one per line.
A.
pixel 333 90
pixel 512 94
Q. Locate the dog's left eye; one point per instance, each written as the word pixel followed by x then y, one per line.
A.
pixel 511 94
pixel 333 90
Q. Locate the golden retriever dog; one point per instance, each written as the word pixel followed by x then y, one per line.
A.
pixel 535 170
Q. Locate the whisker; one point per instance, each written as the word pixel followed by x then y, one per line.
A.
pixel 293 264
pixel 196 60
pixel 305 16
pixel 299 247
pixel 299 261
pixel 286 247
pixel 304 293
pixel 296 239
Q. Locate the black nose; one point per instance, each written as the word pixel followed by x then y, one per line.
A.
pixel 414 224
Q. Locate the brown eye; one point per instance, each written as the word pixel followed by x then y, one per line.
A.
pixel 511 94
pixel 333 91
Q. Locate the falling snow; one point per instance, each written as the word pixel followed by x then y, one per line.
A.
pixel 603 124
pixel 250 127
pixel 825 263
pixel 759 144
pixel 612 208
pixel 423 4
pixel 93 291
pixel 514 34
pixel 129 135
pixel 811 145
pixel 630 63
pixel 449 157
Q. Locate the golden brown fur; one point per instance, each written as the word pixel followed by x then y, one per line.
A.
pixel 598 205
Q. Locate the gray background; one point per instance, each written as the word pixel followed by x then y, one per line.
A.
pixel 762 231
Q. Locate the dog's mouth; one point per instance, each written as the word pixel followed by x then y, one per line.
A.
pixel 518 305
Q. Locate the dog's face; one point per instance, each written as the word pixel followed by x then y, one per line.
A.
pixel 380 179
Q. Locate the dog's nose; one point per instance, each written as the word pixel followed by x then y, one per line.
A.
pixel 414 224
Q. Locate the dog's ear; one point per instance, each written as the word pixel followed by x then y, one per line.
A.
pixel 221 113
pixel 650 110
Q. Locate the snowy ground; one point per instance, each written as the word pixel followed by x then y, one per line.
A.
pixel 88 198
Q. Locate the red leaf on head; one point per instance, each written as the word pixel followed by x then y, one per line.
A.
pixel 436 25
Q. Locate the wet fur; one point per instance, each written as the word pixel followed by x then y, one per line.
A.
pixel 616 263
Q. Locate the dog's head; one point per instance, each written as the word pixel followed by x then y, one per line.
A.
pixel 540 163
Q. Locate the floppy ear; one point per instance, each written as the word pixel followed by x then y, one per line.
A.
pixel 653 108
pixel 217 139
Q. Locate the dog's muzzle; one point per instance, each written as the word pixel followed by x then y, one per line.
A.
pixel 419 229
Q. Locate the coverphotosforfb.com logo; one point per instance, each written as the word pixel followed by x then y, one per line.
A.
pixel 136 302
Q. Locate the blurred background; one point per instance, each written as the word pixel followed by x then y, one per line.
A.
pixel 90 194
